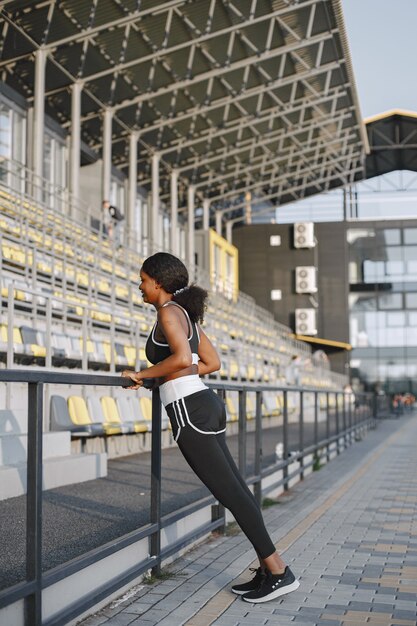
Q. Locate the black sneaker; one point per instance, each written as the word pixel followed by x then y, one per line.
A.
pixel 273 586
pixel 252 584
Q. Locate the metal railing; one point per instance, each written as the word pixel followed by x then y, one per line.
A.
pixel 351 417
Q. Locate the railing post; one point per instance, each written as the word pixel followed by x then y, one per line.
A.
pixel 217 510
pixel 258 448
pixel 33 602
pixel 350 398
pixel 344 396
pixel 242 432
pixel 285 438
pixel 155 540
pixel 336 397
pixel 327 427
pixel 301 435
pixel 316 419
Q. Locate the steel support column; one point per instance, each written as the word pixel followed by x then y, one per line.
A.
pixel 219 222
pixel 132 221
pixel 229 226
pixel 75 145
pixel 38 121
pixel 106 154
pixel 174 212
pixel 191 227
pixel 206 214
pixel 154 212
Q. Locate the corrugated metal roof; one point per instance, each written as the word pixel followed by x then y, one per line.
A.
pixel 241 95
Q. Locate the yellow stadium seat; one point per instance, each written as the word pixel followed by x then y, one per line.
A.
pixel 130 353
pixel 231 409
pixel 146 408
pixel 78 411
pixel 111 413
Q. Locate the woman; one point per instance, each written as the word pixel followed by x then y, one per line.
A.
pixel 181 352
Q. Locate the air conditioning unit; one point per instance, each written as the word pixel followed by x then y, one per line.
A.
pixel 304 235
pixel 305 279
pixel 305 322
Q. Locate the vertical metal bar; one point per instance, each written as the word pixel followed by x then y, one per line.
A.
pixel 218 511
pixel 48 337
pixel 285 438
pixel 33 602
pixel 301 435
pixel 336 397
pixel 107 149
pixel 327 427
pixel 38 122
pixel 316 419
pixel 242 432
pixel 174 212
pixel 155 540
pixel 206 213
pixel 132 185
pixel 10 324
pixel 154 205
pixel 350 417
pixel 191 228
pixel 344 396
pixel 258 448
pixel 75 144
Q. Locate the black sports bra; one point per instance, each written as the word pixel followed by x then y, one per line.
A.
pixel 157 351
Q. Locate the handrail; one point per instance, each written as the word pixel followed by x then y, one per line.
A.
pixel 347 424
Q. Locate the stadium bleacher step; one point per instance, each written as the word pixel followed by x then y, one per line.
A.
pixel 57 472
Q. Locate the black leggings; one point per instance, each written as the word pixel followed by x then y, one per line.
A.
pixel 198 423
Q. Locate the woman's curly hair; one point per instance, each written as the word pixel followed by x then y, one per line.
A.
pixel 171 273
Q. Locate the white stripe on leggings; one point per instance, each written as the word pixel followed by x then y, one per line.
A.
pixel 203 432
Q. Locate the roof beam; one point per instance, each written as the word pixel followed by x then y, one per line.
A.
pixel 263 184
pixel 282 134
pixel 250 120
pixel 200 40
pixel 217 72
pixel 259 163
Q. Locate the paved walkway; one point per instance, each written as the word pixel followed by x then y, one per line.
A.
pixel 349 532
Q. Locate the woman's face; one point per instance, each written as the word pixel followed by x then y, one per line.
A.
pixel 148 287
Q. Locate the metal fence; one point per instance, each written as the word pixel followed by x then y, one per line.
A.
pixel 350 417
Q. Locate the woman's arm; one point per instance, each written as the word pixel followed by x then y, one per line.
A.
pixel 209 360
pixel 177 339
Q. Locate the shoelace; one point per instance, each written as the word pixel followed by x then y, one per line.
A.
pixel 257 570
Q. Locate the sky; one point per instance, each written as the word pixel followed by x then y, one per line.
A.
pixel 382 36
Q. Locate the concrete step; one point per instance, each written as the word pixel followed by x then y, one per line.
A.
pixel 57 471
pixel 13 446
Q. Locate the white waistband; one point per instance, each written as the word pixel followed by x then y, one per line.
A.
pixel 180 388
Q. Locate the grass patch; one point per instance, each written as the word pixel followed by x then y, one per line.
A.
pixel 268 502
pixel 165 574
pixel 316 462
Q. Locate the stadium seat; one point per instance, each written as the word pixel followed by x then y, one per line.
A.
pixel 129 416
pixel 63 419
pixel 95 409
pixel 112 416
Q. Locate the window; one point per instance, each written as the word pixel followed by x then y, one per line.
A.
pixel 410 235
pixel 12 144
pixel 394 268
pixel 391 301
pixel 411 300
pixel 392 236
pixel 396 319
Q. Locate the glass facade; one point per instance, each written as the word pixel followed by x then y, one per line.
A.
pixel 383 305
pixel 12 144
